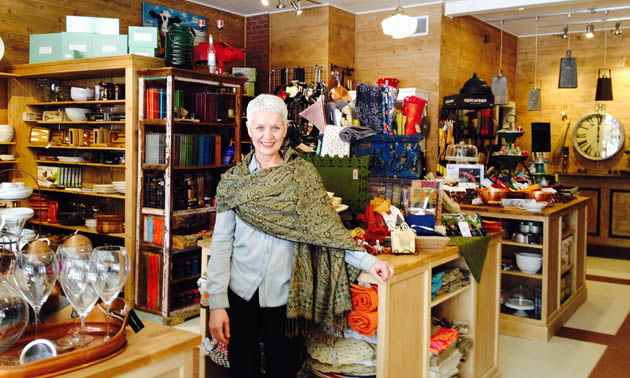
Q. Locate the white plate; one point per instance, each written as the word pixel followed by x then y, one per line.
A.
pixel 15 194
pixel 1 49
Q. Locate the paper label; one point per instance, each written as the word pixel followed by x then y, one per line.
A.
pixel 45 50
pixel 109 48
pixel 144 37
pixel 78 47
pixel 355 174
pixel 464 229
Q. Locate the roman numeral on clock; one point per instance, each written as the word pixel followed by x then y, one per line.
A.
pixel 582 143
pixel 580 135
pixel 588 150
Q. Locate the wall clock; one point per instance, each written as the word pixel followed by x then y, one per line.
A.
pixel 598 136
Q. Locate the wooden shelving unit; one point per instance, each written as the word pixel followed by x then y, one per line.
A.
pixel 554 312
pixel 25 95
pixel 162 254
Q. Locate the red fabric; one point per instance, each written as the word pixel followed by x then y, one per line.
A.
pixel 442 339
pixel 364 299
pixel 413 107
pixel 364 323
pixel 376 227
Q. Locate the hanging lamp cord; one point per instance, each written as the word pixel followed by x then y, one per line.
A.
pixel 536 56
pixel 501 51
pixel 605 44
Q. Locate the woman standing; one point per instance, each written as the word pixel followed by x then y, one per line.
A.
pixel 279 251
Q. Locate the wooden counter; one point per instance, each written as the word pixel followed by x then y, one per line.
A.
pixel 559 222
pixel 156 350
pixel 405 309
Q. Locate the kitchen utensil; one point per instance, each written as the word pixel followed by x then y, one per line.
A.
pixel 492 196
pixel 535 228
pixel 6 133
pixel 539 195
pixel 533 207
pixel 81 94
pixel 499 83
pixel 77 114
pixel 568 67
pixel 524 228
pixel 533 98
pixel 520 238
pixel 520 305
pixel 7 157
pixel 527 262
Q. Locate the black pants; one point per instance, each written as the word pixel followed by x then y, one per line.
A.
pixel 249 324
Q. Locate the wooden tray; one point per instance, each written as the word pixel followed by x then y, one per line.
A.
pixel 94 352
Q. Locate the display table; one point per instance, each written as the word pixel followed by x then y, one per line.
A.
pixel 405 309
pixel 560 223
pixel 156 350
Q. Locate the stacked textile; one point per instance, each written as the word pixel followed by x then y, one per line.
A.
pixel 364 318
pixel 447 368
pixel 452 280
pixel 436 283
pixel 341 356
pixel 444 356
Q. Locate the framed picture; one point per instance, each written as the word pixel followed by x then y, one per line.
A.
pixel 465 172
pixel 163 17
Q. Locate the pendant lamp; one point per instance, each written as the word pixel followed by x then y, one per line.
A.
pixel 603 92
pixel 399 25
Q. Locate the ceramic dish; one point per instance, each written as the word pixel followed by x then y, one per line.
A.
pixel 533 207
pixel 15 194
pixel 7 157
pixel 71 158
pixel 431 243
pixel 520 305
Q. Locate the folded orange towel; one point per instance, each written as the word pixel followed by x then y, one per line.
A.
pixel 364 299
pixel 364 323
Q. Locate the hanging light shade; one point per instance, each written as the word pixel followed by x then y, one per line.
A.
pixel 399 25
pixel 603 91
pixel 590 31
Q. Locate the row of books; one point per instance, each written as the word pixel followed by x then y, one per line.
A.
pixel 193 149
pixel 155 147
pixel 153 230
pixel 152 279
pixel 155 103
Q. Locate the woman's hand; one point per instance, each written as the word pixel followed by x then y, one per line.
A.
pixel 220 325
pixel 381 271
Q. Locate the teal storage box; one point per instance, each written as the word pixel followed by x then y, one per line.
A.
pixel 76 45
pixel 143 36
pixel 98 25
pixel 44 48
pixel 144 51
pixel 109 44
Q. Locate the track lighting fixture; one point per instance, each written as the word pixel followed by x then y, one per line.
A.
pixel 265 2
pixel 590 31
pixel 617 30
pixel 280 4
pixel 565 32
pixel 297 7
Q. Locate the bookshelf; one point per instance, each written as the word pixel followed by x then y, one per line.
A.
pixel 185 141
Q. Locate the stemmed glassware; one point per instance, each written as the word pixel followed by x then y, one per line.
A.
pixel 77 281
pixel 36 271
pixel 111 266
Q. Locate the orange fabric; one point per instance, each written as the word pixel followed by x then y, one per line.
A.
pixel 364 299
pixel 364 323
pixel 442 339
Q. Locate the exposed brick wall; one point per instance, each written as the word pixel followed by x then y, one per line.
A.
pixel 257 44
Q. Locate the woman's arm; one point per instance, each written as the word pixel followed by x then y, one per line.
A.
pixel 218 272
pixel 380 270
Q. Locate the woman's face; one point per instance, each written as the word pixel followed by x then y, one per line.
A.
pixel 267 131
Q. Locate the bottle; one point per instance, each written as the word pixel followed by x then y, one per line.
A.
pixel 212 62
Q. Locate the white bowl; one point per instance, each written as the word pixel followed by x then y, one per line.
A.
pixel 81 94
pixel 76 159
pixel 12 185
pixel 77 114
pixel 6 133
pixel 15 194
pixel 534 206
pixel 7 157
pixel 529 263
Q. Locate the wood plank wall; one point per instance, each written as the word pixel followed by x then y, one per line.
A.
pixel 579 101
pixel 22 18
pixel 341 41
pixel 414 61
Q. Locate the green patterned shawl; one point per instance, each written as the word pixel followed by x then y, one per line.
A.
pixel 291 203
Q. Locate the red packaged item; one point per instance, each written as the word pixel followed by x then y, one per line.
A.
pixel 53 207
pixel 413 107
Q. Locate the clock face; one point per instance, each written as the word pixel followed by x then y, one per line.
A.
pixel 598 136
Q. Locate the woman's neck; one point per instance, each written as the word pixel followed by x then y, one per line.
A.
pixel 269 161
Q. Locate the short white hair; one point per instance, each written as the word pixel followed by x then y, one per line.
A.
pixel 267 102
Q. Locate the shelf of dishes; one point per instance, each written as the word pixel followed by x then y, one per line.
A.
pixel 79 163
pixel 521 274
pixel 178 213
pixel 80 191
pixel 77 228
pixel 80 122
pixel 89 102
pixel 185 122
pixel 63 146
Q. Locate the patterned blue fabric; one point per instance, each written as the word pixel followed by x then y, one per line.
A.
pixel 368 106
pixel 390 94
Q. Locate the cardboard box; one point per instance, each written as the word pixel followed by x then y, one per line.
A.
pixel 108 44
pixel 76 45
pixel 44 48
pixel 144 51
pixel 98 25
pixel 249 72
pixel 249 88
pixel 143 36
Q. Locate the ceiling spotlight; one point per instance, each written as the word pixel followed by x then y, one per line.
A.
pixel 590 31
pixel 297 7
pixel 565 32
pixel 617 30
pixel 265 2
pixel 280 4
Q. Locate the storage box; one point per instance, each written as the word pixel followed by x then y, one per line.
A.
pixel 98 25
pixel 396 156
pixel 249 88
pixel 144 51
pixel 143 36
pixel 250 72
pixel 108 44
pixel 44 48
pixel 76 45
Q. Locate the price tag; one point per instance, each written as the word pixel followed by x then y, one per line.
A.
pixel 464 228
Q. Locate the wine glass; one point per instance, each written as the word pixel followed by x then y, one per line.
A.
pixel 35 274
pixel 111 266
pixel 77 282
